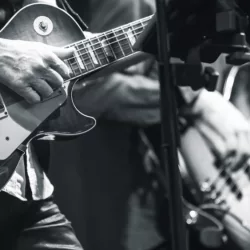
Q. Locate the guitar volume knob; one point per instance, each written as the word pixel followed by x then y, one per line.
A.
pixel 43 25
pixel 206 187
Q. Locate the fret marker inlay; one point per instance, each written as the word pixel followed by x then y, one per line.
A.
pixel 106 48
pixel 92 54
pixel 131 36
pixel 79 61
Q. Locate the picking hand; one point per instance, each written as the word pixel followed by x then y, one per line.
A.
pixel 225 129
pixel 33 70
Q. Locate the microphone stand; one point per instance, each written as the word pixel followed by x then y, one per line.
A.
pixel 229 39
pixel 169 132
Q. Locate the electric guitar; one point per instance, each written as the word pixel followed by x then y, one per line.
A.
pixel 209 228
pixel 218 195
pixel 20 122
pixel 219 192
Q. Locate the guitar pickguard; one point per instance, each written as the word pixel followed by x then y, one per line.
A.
pixel 20 119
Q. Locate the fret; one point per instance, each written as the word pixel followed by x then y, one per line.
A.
pixel 71 72
pixel 78 62
pixel 116 33
pixel 103 51
pixel 131 39
pixel 93 60
pixel 96 50
pixel 114 45
pixel 82 54
pixel 72 62
pixel 144 23
pixel 85 56
pixel 137 29
pixel 124 42
pixel 99 51
pixel 78 54
pixel 109 52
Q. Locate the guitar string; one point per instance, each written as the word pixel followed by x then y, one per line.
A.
pixel 71 91
pixel 238 179
pixel 218 178
pixel 230 191
pixel 109 47
pixel 213 184
pixel 223 167
pixel 89 70
pixel 116 36
pixel 226 179
pixel 93 68
pixel 243 174
pixel 103 35
pixel 104 46
pixel 234 182
pixel 140 22
pixel 113 31
pixel 107 40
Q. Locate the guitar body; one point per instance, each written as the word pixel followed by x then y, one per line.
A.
pixel 93 57
pixel 234 203
pixel 226 193
pixel 222 195
pixel 20 121
pixel 209 229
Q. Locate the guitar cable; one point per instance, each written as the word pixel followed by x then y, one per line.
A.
pixel 211 206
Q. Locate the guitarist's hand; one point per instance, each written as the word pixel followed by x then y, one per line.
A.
pixel 224 128
pixel 33 70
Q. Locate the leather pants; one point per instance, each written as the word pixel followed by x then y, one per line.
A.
pixel 34 225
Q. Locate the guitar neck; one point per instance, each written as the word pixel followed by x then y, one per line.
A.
pixel 100 51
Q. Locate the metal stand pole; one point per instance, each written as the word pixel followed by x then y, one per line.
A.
pixel 169 131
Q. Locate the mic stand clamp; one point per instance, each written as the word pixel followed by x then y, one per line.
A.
pixel 194 73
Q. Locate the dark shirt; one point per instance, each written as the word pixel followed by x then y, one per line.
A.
pixel 104 165
pixel 112 204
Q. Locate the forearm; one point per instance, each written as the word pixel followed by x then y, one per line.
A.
pixel 138 101
pixel 119 97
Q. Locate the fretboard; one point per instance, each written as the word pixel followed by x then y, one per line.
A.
pixel 106 48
